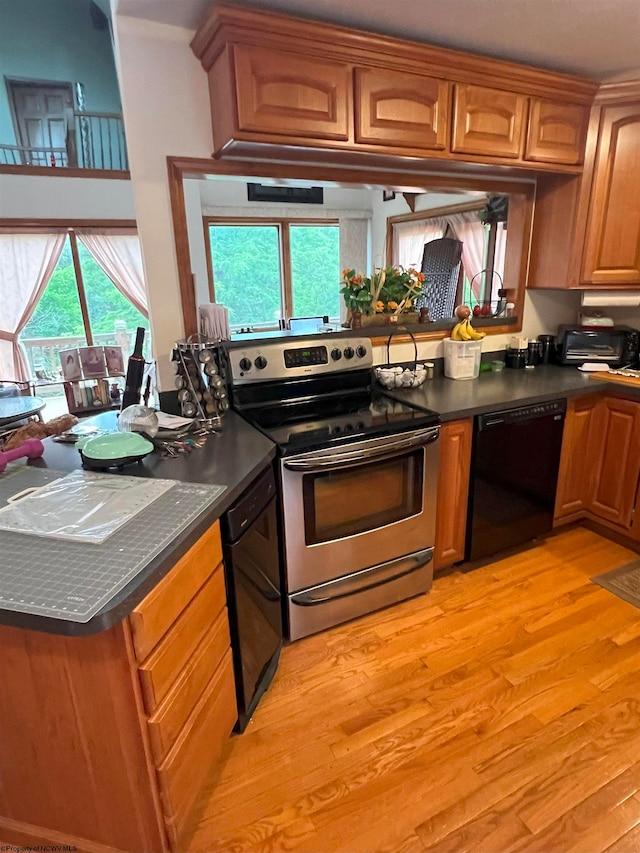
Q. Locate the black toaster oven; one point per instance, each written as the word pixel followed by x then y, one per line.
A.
pixel 616 346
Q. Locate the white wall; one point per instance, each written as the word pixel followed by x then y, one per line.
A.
pixel 544 311
pixel 217 193
pixel 197 246
pixel 36 197
pixel 166 110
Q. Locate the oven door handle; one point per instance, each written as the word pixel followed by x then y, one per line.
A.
pixel 382 450
pixel 360 582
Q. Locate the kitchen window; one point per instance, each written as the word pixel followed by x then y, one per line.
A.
pixel 65 287
pixel 266 272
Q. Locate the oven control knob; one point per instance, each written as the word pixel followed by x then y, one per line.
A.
pixel 245 364
pixel 261 362
pixel 336 354
pixel 361 352
pixel 348 352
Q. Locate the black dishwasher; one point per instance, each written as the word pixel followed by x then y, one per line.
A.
pixel 252 574
pixel 514 473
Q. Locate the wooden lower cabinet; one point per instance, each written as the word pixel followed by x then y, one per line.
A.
pixel 600 462
pixel 576 474
pixel 617 457
pixel 453 492
pixel 103 748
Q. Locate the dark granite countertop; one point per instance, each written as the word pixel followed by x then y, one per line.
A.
pixel 237 454
pixel 463 398
pixel 233 457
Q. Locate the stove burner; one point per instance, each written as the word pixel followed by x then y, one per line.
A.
pixel 294 426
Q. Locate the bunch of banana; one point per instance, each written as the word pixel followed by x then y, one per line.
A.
pixel 463 330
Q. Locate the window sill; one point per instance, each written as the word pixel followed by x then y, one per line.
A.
pixel 380 334
pixel 437 330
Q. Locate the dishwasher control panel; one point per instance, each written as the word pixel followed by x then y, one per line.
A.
pixel 547 409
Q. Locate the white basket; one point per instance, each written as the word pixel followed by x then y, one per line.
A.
pixel 462 359
pixel 398 375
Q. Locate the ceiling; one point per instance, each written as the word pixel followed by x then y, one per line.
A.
pixel 590 38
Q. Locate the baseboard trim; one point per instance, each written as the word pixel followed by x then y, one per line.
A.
pixel 26 835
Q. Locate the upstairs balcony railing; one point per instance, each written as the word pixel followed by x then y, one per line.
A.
pixel 95 141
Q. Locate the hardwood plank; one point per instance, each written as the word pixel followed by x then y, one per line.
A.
pixel 630 841
pixel 600 819
pixel 499 712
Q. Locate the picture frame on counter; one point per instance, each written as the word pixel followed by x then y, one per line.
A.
pixel 93 362
pixel 70 365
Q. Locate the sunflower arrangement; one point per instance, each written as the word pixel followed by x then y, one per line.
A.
pixel 389 290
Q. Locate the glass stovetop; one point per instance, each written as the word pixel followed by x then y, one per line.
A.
pixel 334 419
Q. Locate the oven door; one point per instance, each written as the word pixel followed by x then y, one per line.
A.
pixel 361 505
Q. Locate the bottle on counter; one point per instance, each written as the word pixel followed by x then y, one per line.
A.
pixel 135 372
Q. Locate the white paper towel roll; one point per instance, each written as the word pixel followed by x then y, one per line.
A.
pixel 624 298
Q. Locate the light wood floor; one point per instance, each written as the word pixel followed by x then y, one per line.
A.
pixel 499 713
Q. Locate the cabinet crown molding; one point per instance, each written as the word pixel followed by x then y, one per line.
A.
pixel 618 92
pixel 230 24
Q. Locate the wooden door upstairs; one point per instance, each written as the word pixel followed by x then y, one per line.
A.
pixel 43 120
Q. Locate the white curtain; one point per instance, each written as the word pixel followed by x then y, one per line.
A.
pixel 498 262
pixel 26 264
pixel 471 233
pixel 409 238
pixel 119 256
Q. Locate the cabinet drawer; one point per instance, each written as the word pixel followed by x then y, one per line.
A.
pixel 184 771
pixel 171 715
pixel 162 667
pixel 152 618
pixel 286 93
pixel 488 121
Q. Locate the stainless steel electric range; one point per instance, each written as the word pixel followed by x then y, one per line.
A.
pixel 357 476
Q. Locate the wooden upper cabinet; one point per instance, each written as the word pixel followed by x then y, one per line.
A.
pixel 556 132
pixel 397 108
pixel 617 465
pixel 488 122
pixel 281 82
pixel 612 245
pixel 292 94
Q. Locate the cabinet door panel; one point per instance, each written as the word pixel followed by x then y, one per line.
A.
pixel 577 461
pixel 169 718
pixel 155 614
pixel 159 671
pixel 401 109
pixel 618 431
pixel 612 248
pixel 283 93
pixel 557 132
pixel 185 769
pixel 453 492
pixel 488 121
